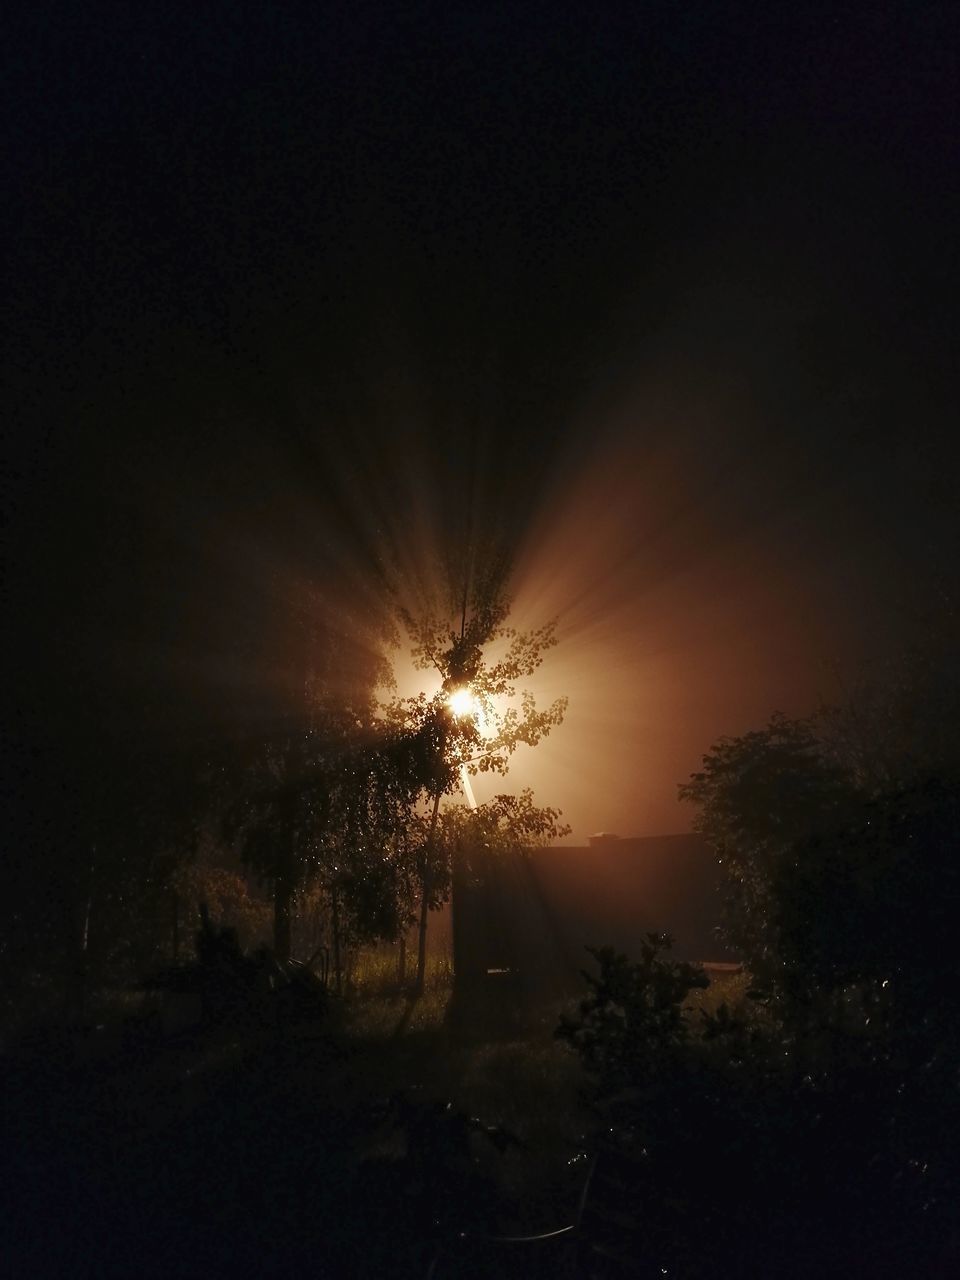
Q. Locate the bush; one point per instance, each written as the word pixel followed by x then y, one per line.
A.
pixel 757 1146
pixel 631 1027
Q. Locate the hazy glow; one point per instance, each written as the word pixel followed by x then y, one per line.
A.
pixel 687 609
pixel 462 703
pixel 694 567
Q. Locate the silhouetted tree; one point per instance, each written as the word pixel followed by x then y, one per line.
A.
pixel 758 797
pixel 305 802
pixel 816 821
pixel 465 638
pixel 325 806
pixel 838 834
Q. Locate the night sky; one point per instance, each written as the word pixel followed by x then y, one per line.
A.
pixel 660 295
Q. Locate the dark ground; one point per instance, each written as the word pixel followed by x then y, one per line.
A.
pixel 243 1152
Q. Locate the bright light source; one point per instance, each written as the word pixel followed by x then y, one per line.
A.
pixel 462 703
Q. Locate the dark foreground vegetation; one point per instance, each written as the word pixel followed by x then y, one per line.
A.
pixel 284 1107
pixel 683 1127
pixel 289 1132
pixel 679 1128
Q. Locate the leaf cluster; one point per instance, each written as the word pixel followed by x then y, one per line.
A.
pixel 630 1026
pixel 758 797
pixel 459 653
pixel 769 1144
pixel 349 800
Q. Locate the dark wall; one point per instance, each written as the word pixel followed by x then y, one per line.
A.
pixel 613 892
pixel 537 915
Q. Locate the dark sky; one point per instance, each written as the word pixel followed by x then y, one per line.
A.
pixel 663 294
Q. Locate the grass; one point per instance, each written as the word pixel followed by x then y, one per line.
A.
pixel 297 1110
pixel 377 1005
pixel 373 971
pixel 522 1078
pixel 519 1079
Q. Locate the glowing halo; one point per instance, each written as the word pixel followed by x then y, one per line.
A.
pixel 462 703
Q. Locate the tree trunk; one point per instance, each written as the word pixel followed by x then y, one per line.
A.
pixel 462 952
pixel 335 916
pixel 425 899
pixel 402 960
pixel 82 946
pixel 282 898
pixel 422 936
pixel 176 927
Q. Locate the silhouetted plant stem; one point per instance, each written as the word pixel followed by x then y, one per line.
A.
pixel 335 922
pixel 282 896
pixel 425 898
pixel 176 927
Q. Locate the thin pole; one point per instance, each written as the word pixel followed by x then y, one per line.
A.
pixel 467 787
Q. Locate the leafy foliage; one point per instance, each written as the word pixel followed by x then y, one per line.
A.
pixel 333 813
pixel 470 646
pixel 758 797
pixel 810 1132
pixel 777 1141
pixel 350 801
pixel 466 640
pixel 834 877
pixel 630 1026
pixel 228 897
pixel 507 825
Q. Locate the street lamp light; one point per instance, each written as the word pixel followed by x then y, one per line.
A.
pixel 462 704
